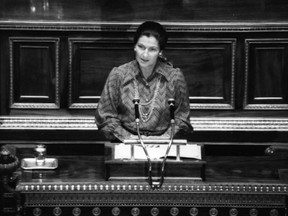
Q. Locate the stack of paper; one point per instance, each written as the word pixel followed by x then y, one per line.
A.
pixel 123 151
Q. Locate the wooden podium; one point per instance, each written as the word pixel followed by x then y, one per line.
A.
pixel 136 168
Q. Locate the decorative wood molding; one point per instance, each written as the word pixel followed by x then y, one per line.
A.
pixel 266 107
pixel 134 188
pixel 211 106
pixel 225 100
pixel 83 105
pixel 155 209
pixel 223 46
pixel 171 26
pixel 253 196
pixel 37 41
pixel 75 100
pixel 199 124
pixel 278 102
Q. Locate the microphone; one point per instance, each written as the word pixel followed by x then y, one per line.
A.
pixel 171 103
pixel 136 102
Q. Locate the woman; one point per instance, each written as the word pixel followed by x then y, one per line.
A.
pixel 153 80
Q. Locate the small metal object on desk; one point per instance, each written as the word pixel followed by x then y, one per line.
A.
pixel 40 161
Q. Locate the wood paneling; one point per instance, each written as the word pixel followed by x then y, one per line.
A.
pixel 209 68
pixel 229 76
pixel 34 73
pixel 131 11
pixel 90 61
pixel 224 66
pixel 266 81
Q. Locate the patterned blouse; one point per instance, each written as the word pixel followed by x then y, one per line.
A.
pixel 115 114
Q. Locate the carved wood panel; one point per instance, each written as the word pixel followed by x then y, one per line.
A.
pixel 90 61
pixel 209 68
pixel 34 73
pixel 172 199
pixel 221 69
pixel 266 74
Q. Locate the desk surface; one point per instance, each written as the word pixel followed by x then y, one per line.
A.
pixel 83 172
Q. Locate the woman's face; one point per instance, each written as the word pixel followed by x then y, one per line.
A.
pixel 147 51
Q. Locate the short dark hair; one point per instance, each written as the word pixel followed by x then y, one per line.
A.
pixel 151 28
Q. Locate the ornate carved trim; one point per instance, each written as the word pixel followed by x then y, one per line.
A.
pixel 83 105
pixel 17 105
pixel 64 199
pixel 34 106
pixel 171 26
pixel 199 124
pixel 48 123
pixel 217 102
pixel 266 107
pixel 135 197
pixel 240 124
pixel 225 43
pixel 216 106
pixel 75 102
pixel 281 105
pixel 140 194
pixel 134 188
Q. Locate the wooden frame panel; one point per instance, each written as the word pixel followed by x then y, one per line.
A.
pixel 222 50
pixel 34 73
pixel 266 74
pixel 209 67
pixel 90 61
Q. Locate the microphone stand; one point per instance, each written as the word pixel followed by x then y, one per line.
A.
pixel 171 103
pixel 156 185
pixel 136 102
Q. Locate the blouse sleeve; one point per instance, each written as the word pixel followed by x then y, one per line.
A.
pixel 106 116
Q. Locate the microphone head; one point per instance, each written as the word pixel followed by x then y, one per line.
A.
pixel 136 100
pixel 171 101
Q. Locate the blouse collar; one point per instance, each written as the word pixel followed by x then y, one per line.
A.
pixel 134 71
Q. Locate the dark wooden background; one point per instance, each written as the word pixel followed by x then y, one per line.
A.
pixel 131 11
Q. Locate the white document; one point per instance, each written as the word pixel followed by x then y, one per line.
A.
pixel 156 152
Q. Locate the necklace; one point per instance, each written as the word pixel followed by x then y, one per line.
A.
pixel 146 108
